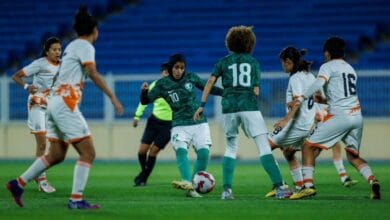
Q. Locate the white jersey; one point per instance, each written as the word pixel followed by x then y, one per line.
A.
pixel 43 72
pixel 340 89
pixel 71 76
pixel 297 85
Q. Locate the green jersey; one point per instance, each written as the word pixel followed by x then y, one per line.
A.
pixel 181 97
pixel 240 74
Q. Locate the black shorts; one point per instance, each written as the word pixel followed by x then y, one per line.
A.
pixel 157 131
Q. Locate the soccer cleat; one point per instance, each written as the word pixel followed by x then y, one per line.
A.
pixel 184 185
pixel 375 190
pixel 348 182
pixel 140 180
pixel 16 191
pixel 46 187
pixel 303 193
pixel 83 204
pixel 193 194
pixel 283 192
pixel 271 193
pixel 227 194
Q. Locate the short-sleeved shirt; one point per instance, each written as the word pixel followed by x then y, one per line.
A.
pixel 43 72
pixel 180 96
pixel 340 89
pixel 240 74
pixel 72 74
pixel 297 85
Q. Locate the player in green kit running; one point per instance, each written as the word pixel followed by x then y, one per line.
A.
pixel 240 73
pixel 178 89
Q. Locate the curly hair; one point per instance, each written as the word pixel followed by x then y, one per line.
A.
pixel 240 39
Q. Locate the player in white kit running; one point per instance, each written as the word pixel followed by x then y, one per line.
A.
pixel 344 121
pixel 43 71
pixel 66 124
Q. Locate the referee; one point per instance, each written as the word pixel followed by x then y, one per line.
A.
pixel 156 135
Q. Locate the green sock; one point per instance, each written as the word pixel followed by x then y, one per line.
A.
pixel 202 160
pixel 183 164
pixel 272 169
pixel 228 165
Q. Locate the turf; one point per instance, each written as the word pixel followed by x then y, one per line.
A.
pixel 110 184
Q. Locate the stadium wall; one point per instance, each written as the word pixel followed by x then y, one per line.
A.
pixel 120 141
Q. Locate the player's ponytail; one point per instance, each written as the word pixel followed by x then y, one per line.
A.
pixel 84 23
pixel 296 57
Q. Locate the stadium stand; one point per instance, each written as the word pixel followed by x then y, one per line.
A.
pixel 137 38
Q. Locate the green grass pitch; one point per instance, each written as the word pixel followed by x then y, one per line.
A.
pixel 110 184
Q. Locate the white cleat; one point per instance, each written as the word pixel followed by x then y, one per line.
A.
pixel 227 194
pixel 45 186
pixel 193 194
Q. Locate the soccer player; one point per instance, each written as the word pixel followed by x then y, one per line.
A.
pixel 43 71
pixel 156 135
pixel 240 74
pixel 344 122
pixel 178 89
pixel 66 124
pixel 291 131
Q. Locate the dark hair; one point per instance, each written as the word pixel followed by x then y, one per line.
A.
pixel 296 57
pixel 48 42
pixel 240 39
pixel 84 23
pixel 173 60
pixel 335 47
pixel 163 66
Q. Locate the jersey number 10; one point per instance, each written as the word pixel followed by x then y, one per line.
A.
pixel 241 75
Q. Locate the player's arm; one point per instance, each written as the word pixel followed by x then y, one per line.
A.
pixel 317 85
pixel 99 82
pixel 205 94
pixel 18 78
pixel 293 108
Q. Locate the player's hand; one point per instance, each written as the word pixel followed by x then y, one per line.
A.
pixel 117 106
pixel 198 114
pixel 135 123
pixel 145 87
pixel 280 124
pixel 256 90
pixel 32 89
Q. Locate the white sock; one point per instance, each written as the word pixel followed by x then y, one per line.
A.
pixel 39 165
pixel 296 174
pixel 80 177
pixel 366 172
pixel 338 163
pixel 307 173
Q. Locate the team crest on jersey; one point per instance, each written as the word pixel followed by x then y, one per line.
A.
pixel 188 86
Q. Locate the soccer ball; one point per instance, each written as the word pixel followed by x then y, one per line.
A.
pixel 203 182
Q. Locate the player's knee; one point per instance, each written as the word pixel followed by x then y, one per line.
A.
pixel 231 147
pixel 289 154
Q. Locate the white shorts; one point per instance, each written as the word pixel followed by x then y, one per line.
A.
pixel 36 120
pixel 347 128
pixel 63 124
pixel 289 136
pixel 198 135
pixel 251 122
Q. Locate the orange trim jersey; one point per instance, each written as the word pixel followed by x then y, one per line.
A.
pixel 43 72
pixel 340 90
pixel 72 73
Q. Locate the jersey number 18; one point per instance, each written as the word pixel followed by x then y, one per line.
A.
pixel 241 74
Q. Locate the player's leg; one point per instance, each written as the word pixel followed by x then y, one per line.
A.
pixel 180 140
pixel 295 167
pixel 37 124
pixel 162 131
pixel 231 124
pixel 255 127
pixel 202 143
pixel 339 165
pixel 56 155
pixel 352 141
pixel 85 149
